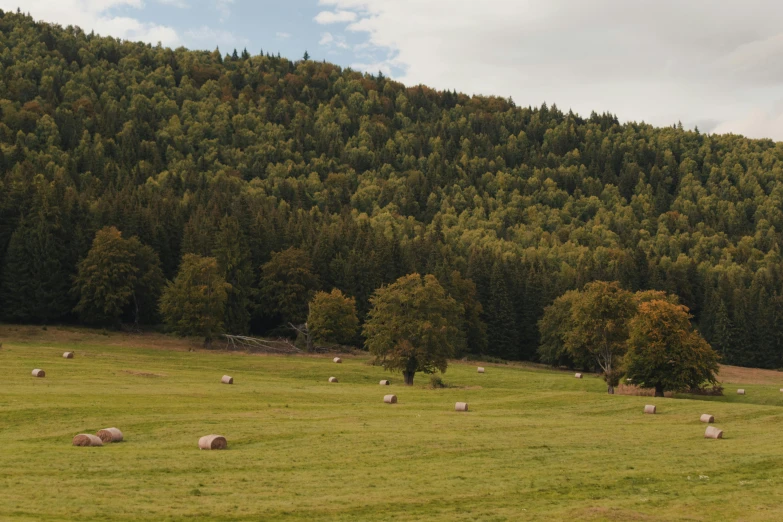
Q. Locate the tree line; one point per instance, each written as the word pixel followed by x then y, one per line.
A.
pixel 287 178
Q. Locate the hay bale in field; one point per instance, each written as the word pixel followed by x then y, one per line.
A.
pixel 109 435
pixel 390 399
pixel 481 369
pixel 461 406
pixel 86 440
pixel 707 418
pixel 713 433
pixel 741 392
pixel 578 375
pixel 649 409
pixel 39 373
pixel 333 379
pixel 384 382
pixel 337 360
pixel 68 355
pixel 227 379
pixel 212 442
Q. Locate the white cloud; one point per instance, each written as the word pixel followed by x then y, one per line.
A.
pixel 282 35
pixel 224 8
pixel 94 15
pixel 206 37
pixel 661 61
pixel 326 39
pixel 330 40
pixel 759 123
pixel 333 17
pixel 181 4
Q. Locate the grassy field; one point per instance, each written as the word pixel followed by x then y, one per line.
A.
pixel 535 445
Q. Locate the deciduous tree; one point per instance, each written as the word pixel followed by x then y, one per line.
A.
pixel 413 326
pixel 332 318
pixel 665 352
pixel 195 302
pixel 599 327
pixel 117 277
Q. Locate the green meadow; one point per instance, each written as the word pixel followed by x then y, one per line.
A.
pixel 537 444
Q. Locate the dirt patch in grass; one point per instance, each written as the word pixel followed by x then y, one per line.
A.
pixel 143 374
pixel 739 375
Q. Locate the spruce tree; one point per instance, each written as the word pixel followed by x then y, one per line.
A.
pixel 233 258
pixel 500 316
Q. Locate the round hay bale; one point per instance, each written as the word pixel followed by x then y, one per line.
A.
pixel 333 379
pixel 68 355
pixel 781 390
pixel 39 373
pixel 741 392
pixel 713 433
pixel 578 375
pixel 481 369
pixel 337 360
pixel 227 379
pixel 649 409
pixel 461 406
pixel 384 382
pixel 390 399
pixel 86 440
pixel 110 435
pixel 707 418
pixel 212 442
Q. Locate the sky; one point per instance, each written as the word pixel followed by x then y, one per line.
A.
pixel 715 64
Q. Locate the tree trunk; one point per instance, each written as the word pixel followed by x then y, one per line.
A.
pixel 408 376
pixel 207 342
pixel 610 389
pixel 659 390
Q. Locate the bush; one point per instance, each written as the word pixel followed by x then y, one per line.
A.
pixel 437 382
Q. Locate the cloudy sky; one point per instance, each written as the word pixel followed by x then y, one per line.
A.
pixel 717 64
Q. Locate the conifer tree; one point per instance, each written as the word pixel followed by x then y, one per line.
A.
pixel 233 258
pixel 501 317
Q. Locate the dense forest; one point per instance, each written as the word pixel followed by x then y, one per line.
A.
pixel 361 180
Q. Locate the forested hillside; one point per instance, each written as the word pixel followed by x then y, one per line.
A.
pixel 239 157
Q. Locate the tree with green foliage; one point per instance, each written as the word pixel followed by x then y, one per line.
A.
pixel 665 352
pixel 598 327
pixel 553 327
pixel 332 318
pixel 288 285
pixel 117 277
pixel 195 302
pixel 502 332
pixel 233 258
pixel 463 290
pixel 413 326
pixel 36 276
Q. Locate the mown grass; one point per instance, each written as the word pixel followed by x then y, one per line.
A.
pixel 536 445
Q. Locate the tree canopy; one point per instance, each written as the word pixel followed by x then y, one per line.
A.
pixel 665 352
pixel 371 180
pixel 413 326
pixel 194 303
pixel 118 276
pixel 332 318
